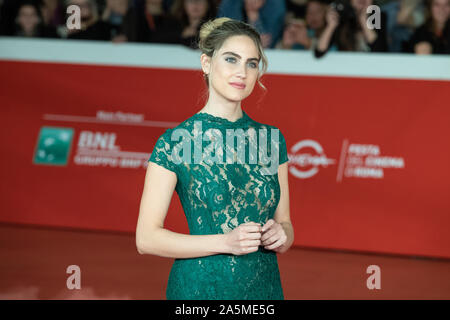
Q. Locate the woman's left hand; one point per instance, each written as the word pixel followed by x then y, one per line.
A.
pixel 273 235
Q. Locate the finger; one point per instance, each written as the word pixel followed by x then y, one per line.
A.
pixel 251 243
pixel 268 224
pixel 256 228
pixel 248 224
pixel 253 236
pixel 276 244
pixel 272 239
pixel 268 234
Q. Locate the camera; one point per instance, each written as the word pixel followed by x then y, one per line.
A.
pixel 345 10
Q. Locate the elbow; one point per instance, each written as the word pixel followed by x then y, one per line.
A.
pixel 145 243
pixel 139 246
pixel 142 245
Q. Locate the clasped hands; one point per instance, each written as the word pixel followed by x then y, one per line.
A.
pixel 247 237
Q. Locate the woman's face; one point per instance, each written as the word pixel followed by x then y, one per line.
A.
pixel 254 5
pixel 27 18
pixel 236 62
pixel 85 9
pixel 196 9
pixel 118 6
pixel 440 10
pixel 315 15
pixel 360 5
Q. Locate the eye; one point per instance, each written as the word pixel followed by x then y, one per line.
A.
pixel 253 65
pixel 232 58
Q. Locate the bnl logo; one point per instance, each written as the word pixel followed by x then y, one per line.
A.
pixel 53 146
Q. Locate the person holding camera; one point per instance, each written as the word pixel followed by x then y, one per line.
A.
pixel 347 28
pixel 302 34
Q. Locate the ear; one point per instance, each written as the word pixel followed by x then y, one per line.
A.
pixel 206 63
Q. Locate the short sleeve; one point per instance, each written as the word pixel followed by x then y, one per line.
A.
pixel 283 157
pixel 162 152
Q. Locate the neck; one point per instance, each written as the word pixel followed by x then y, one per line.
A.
pixel 438 26
pixel 28 32
pixel 231 111
pixel 194 21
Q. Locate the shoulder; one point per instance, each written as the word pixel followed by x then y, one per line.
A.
pixel 272 132
pixel 262 126
pixel 187 124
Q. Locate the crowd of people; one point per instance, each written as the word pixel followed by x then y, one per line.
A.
pixel 408 26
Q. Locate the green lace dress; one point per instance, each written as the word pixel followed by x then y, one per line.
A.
pixel 216 198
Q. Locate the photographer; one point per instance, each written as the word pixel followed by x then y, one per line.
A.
pixel 433 37
pixel 347 29
pixel 28 22
pixel 302 34
pixel 92 27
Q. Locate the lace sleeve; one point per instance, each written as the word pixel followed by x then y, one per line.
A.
pixel 162 151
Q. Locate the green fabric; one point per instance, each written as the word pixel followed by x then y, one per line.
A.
pixel 216 198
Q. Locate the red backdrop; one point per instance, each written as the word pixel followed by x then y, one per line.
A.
pixel 369 158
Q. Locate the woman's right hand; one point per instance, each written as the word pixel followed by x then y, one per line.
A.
pixel 244 239
pixel 332 18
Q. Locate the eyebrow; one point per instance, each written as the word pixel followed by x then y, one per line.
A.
pixel 235 54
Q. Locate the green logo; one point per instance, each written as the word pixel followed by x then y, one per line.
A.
pixel 53 146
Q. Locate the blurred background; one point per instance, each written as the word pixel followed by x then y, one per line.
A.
pixel 413 26
pixel 365 113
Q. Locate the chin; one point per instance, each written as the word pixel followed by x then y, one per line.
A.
pixel 238 97
pixel 235 96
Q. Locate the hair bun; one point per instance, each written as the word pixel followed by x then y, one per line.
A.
pixel 209 26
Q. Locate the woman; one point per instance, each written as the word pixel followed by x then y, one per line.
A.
pixel 347 29
pixel 302 34
pixel 122 17
pixel 238 216
pixel 266 16
pixel 192 14
pixel 29 22
pixel 402 18
pixel 434 35
pixel 156 25
pixel 92 27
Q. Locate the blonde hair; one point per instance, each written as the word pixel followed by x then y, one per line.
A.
pixel 213 34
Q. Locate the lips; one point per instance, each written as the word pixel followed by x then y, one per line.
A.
pixel 237 85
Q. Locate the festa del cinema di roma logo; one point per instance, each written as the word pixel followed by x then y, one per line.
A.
pixel 306 159
pixel 356 160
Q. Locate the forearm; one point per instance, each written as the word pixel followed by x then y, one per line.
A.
pixel 166 243
pixel 289 230
pixel 324 40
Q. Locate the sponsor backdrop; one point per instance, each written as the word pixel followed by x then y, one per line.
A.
pixel 369 156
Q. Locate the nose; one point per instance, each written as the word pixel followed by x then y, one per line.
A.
pixel 242 71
